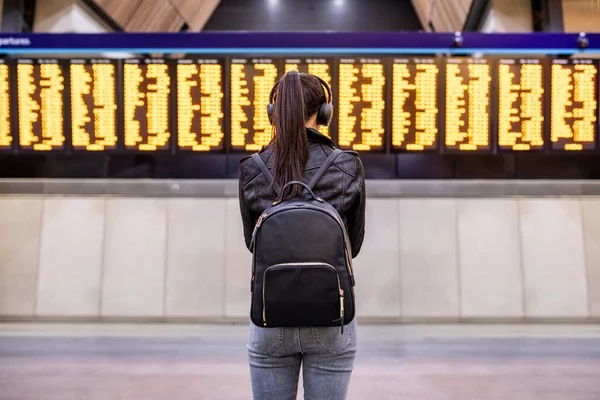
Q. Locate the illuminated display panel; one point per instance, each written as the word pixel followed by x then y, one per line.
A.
pixel 40 87
pixel 6 139
pixel 93 105
pixel 415 104
pixel 200 104
pixel 520 104
pixel 251 81
pixel 468 85
pixel 361 104
pixel 574 104
pixel 320 67
pixel 146 105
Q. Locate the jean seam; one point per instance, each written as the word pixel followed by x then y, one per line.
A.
pixel 316 340
pixel 299 340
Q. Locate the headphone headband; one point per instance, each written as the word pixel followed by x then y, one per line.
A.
pixel 321 80
pixel 325 112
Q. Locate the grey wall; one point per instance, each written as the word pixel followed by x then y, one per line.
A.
pixel 147 250
pixel 314 15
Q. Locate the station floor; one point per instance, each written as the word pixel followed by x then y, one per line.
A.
pixel 208 362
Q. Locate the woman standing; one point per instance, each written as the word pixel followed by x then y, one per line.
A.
pixel 296 153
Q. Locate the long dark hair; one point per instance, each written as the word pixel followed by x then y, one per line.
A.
pixel 297 98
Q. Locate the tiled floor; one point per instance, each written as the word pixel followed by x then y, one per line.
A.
pixel 205 362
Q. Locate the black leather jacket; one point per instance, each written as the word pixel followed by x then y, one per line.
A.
pixel 342 185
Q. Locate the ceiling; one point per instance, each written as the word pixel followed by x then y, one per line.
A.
pixel 581 15
pixel 442 15
pixel 158 15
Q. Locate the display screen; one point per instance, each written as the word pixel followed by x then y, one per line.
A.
pixel 392 104
pixel 251 81
pixel 6 138
pixel 200 104
pixel 361 103
pixel 93 105
pixel 574 104
pixel 468 87
pixel 520 104
pixel 415 106
pixel 320 67
pixel 40 97
pixel 146 104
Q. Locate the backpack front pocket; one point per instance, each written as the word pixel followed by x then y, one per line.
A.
pixel 302 294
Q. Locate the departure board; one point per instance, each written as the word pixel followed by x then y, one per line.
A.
pixel 574 104
pixel 200 104
pixel 251 82
pixel 146 106
pixel 6 139
pixel 468 88
pixel 204 103
pixel 415 104
pixel 520 104
pixel 320 67
pixel 93 105
pixel 40 97
pixel 361 104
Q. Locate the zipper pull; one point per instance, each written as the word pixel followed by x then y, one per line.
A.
pixel 260 219
pixel 256 226
pixel 342 310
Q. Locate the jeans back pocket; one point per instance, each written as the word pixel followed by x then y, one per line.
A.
pixel 265 340
pixel 331 341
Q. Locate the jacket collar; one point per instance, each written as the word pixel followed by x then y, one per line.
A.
pixel 315 135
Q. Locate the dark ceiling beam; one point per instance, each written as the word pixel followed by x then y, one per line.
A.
pixel 477 12
pixel 547 16
pixel 99 11
pixel 18 15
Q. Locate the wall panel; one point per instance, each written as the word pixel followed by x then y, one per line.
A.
pixel 428 258
pixel 71 257
pixel 591 231
pixel 134 257
pixel 238 264
pixel 196 258
pixel 377 267
pixel 20 225
pixel 553 258
pixel 490 262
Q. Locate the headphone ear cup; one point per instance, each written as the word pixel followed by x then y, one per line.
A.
pixel 270 112
pixel 325 114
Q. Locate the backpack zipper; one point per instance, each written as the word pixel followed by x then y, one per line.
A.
pixel 341 308
pixel 264 215
pixel 340 291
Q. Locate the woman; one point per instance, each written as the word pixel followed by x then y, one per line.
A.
pixel 296 153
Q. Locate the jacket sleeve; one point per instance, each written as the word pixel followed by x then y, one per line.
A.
pixel 356 212
pixel 248 217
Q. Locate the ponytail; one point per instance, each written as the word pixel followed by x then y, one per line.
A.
pixel 290 148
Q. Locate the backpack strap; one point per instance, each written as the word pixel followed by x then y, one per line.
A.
pixel 263 167
pixel 334 154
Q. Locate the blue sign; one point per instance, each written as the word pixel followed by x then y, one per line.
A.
pixel 302 43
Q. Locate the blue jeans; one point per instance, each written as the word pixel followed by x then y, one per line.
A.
pixel 326 356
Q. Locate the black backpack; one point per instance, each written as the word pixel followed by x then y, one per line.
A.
pixel 302 261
